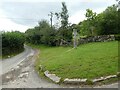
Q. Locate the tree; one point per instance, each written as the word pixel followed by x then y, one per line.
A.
pixel 110 24
pixel 64 32
pixel 41 34
pixel 105 23
pixel 91 20
pixel 84 28
pixel 64 16
pixel 12 42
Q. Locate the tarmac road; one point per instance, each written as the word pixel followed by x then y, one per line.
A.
pixel 9 63
pixel 18 72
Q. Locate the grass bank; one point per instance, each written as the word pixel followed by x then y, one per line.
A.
pixel 12 54
pixel 91 60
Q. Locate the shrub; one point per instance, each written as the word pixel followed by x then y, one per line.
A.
pixel 117 37
pixel 12 42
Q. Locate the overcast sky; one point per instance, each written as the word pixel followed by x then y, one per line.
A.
pixel 23 14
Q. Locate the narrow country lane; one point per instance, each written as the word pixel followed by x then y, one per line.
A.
pixel 18 72
pixel 9 63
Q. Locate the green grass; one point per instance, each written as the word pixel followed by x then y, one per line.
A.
pixel 0 56
pixel 90 61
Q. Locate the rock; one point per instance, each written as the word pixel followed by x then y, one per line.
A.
pixel 103 78
pixel 8 77
pixel 25 69
pixel 8 56
pixel 17 67
pixel 111 76
pixel 12 69
pixel 97 80
pixel 46 72
pixel 74 80
pixel 102 38
pixel 20 64
pixel 53 77
pixel 23 75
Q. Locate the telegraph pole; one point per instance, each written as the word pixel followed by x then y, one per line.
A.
pixel 51 16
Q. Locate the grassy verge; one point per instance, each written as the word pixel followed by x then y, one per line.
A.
pixel 90 61
pixel 11 54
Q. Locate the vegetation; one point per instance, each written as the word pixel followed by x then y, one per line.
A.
pixel 47 35
pixel 41 34
pixel 91 60
pixel 105 23
pixel 12 43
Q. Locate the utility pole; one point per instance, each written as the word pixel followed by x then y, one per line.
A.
pixel 51 16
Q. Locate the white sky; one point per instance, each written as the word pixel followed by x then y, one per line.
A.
pixel 76 14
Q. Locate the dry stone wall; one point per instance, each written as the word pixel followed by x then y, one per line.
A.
pixel 102 38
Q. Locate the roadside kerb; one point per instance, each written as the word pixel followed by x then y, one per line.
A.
pixel 57 79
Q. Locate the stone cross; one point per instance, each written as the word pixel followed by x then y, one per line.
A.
pixel 75 38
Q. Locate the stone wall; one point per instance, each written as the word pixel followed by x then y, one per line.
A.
pixel 102 38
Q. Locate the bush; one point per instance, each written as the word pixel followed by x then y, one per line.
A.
pixel 117 37
pixel 12 42
pixel 41 34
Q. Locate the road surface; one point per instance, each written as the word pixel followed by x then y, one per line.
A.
pixel 9 63
pixel 18 72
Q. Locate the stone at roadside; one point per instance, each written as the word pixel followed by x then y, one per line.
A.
pixel 17 67
pixel 8 56
pixel 8 77
pixel 74 80
pixel 111 76
pixel 53 77
pixel 23 75
pixel 20 64
pixel 97 80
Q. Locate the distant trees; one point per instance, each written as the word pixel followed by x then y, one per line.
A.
pixel 104 23
pixel 64 16
pixel 64 32
pixel 110 23
pixel 41 34
pixel 12 42
pixel 44 34
pixel 91 21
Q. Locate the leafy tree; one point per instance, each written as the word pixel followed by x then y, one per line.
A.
pixel 104 23
pixel 91 20
pixel 64 32
pixel 84 28
pixel 64 16
pixel 41 34
pixel 110 23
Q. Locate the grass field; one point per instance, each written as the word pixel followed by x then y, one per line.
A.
pixel 90 61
